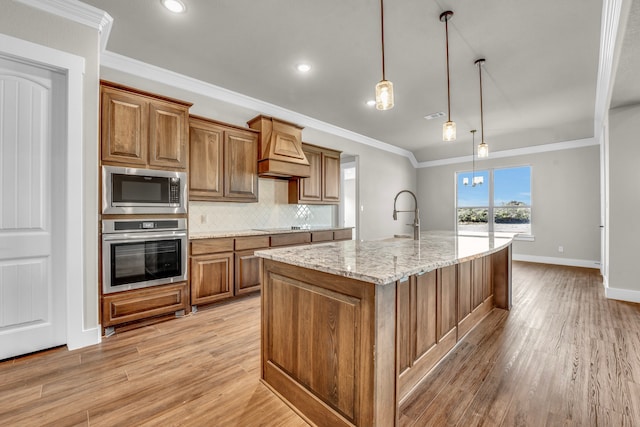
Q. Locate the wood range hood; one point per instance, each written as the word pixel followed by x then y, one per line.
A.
pixel 280 152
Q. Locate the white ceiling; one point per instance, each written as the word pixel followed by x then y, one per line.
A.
pixel 539 77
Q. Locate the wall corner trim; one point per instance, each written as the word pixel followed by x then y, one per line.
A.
pixel 79 12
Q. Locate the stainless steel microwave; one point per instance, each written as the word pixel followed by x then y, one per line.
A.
pixel 143 191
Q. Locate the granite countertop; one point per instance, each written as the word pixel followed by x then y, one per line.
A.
pixel 386 261
pixel 259 232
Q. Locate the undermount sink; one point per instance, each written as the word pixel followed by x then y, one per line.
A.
pixel 401 236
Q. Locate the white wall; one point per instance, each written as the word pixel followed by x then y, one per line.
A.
pixel 30 24
pixel 624 203
pixel 381 174
pixel 565 202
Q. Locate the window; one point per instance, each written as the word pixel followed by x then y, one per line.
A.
pixel 500 200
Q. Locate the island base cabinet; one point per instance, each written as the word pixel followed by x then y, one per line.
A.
pixel 426 326
pixel 343 352
pixel 318 346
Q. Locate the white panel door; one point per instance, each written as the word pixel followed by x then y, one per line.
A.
pixel 32 296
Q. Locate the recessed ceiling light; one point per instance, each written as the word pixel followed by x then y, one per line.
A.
pixel 175 6
pixel 303 68
pixel 371 102
pixel 434 115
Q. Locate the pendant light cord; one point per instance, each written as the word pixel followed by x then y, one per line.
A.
pixel 473 156
pixel 481 111
pixel 446 30
pixel 382 35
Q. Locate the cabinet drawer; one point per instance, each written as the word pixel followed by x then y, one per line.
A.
pixel 290 239
pixel 346 234
pixel 322 236
pixel 210 246
pixel 253 242
pixel 139 304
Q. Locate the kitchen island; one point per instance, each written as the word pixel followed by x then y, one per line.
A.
pixel 350 328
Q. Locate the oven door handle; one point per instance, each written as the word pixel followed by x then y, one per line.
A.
pixel 123 238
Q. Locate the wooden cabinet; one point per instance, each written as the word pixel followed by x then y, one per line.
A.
pixel 426 328
pixel 247 265
pixel 142 130
pixel 224 267
pixel 323 184
pixel 211 270
pixel 223 162
pixel 211 277
pixel 344 234
pixel 144 303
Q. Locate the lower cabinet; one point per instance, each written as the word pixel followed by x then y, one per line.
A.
pixel 247 272
pixel 211 277
pixel 144 303
pixel 225 267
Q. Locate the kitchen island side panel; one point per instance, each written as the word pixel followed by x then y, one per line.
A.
pixel 318 352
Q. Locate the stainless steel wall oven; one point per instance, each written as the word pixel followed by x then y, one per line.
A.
pixel 138 253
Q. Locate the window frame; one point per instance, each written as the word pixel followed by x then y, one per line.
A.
pixel 491 206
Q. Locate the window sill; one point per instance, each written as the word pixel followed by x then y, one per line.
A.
pixel 525 237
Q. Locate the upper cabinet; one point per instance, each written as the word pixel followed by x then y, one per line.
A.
pixel 323 184
pixel 223 162
pixel 143 130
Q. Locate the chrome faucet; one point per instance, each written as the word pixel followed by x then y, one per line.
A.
pixel 416 213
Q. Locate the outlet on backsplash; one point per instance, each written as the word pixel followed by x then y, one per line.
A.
pixel 271 211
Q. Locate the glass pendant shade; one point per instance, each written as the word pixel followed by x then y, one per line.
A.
pixel 478 180
pixel 465 181
pixel 384 95
pixel 449 131
pixel 483 150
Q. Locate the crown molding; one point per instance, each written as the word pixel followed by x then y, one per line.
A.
pixel 132 66
pixel 79 12
pixel 610 29
pixel 534 149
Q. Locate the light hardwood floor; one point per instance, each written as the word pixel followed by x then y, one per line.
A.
pixel 564 355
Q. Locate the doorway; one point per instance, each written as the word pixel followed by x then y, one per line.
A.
pixel 348 212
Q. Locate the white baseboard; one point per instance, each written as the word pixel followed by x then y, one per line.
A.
pixel 557 261
pixel 622 294
pixel 86 338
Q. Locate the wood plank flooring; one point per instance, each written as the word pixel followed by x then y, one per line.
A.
pixel 564 355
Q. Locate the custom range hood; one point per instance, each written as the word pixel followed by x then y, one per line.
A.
pixel 280 152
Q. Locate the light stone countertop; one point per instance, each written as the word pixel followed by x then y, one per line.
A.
pixel 258 232
pixel 386 261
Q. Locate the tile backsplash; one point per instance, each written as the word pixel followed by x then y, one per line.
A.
pixel 272 211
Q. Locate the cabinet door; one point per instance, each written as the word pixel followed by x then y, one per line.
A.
pixel 464 290
pixel 331 177
pixel 241 166
pixel 124 122
pixel 211 278
pixel 247 272
pixel 477 282
pixel 205 165
pixel 447 299
pixel 311 188
pixel 168 132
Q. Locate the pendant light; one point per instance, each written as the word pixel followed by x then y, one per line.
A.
pixel 384 88
pixel 475 180
pixel 483 148
pixel 449 127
